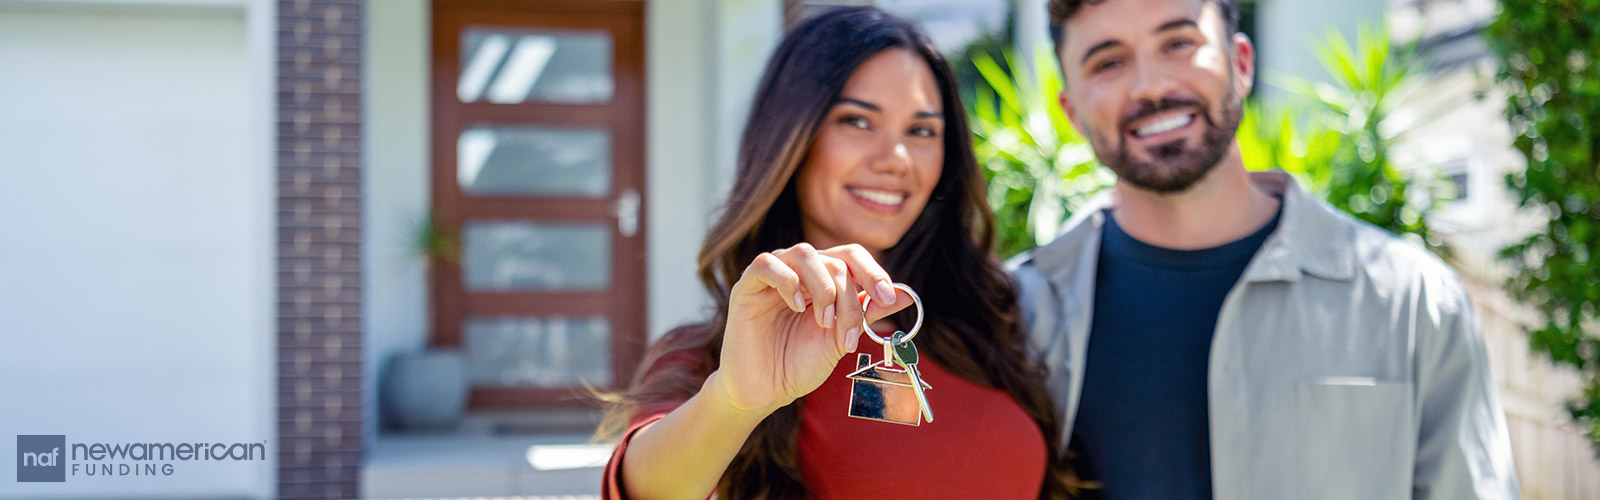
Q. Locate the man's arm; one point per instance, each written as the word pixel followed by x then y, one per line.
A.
pixel 1463 451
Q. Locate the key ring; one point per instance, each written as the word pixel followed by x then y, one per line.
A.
pixel 867 328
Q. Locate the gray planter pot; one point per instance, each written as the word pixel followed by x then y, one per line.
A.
pixel 426 391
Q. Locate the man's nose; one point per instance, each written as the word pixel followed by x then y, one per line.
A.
pixel 1151 82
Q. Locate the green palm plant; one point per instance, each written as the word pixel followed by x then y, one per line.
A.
pixel 1270 138
pixel 1355 122
pixel 1038 167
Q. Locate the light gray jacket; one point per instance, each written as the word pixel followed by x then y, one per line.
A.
pixel 1346 363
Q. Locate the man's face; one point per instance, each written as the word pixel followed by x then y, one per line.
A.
pixel 1157 86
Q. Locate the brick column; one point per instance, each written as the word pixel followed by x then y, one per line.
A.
pixel 319 248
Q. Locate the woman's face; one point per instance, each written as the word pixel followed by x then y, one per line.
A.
pixel 876 157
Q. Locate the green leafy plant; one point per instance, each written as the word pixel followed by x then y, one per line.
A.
pixel 1548 51
pixel 430 239
pixel 1269 138
pixel 1039 169
pixel 1344 151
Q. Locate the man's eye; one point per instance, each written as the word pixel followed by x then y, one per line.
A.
pixel 1105 65
pixel 1179 44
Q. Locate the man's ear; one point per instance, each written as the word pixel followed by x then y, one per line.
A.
pixel 1244 64
pixel 1066 106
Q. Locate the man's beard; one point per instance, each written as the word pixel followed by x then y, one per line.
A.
pixel 1173 168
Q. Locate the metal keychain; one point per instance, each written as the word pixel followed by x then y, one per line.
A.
pixel 880 391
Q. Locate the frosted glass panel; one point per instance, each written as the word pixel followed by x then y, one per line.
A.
pixel 534 161
pixel 509 66
pixel 532 351
pixel 525 256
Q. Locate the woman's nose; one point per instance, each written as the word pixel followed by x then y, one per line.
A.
pixel 893 157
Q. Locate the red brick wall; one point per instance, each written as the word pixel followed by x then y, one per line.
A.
pixel 319 248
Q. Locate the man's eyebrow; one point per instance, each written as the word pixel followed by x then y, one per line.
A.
pixel 1099 47
pixel 1178 23
pixel 1169 25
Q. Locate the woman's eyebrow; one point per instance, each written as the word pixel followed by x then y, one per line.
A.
pixel 870 106
pixel 874 108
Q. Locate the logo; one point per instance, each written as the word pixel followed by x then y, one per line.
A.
pixel 41 459
pixel 49 459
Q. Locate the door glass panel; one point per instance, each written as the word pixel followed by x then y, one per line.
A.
pixel 509 66
pixel 527 256
pixel 544 352
pixel 548 161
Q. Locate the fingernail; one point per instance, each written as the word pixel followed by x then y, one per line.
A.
pixel 852 339
pixel 827 317
pixel 887 292
pixel 799 302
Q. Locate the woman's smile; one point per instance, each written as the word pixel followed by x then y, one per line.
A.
pixel 886 201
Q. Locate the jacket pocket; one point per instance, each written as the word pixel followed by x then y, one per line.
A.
pixel 1358 439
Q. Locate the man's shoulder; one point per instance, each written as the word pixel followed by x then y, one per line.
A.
pixel 1079 234
pixel 1048 275
pixel 1401 267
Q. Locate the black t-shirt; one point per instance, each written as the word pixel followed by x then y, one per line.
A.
pixel 1142 427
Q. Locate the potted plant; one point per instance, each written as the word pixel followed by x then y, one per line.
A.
pixel 427 390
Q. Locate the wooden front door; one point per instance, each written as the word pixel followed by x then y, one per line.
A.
pixel 538 178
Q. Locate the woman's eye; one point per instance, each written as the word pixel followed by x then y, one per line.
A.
pixel 856 122
pixel 924 132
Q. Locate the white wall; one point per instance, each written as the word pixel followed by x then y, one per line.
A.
pixel 396 199
pixel 680 89
pixel 136 197
pixel 703 61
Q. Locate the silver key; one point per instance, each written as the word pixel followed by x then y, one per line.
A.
pixel 905 353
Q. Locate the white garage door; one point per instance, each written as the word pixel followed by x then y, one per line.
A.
pixel 135 244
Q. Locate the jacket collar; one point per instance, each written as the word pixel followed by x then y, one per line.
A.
pixel 1311 237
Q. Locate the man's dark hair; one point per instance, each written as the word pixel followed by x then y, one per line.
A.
pixel 1062 10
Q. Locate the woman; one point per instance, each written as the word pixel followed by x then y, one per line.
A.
pixel 856 153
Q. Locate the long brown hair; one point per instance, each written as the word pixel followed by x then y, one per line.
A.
pixel 971 327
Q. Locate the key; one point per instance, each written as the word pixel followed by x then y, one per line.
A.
pixel 905 352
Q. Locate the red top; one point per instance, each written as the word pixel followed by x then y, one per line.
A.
pixel 981 444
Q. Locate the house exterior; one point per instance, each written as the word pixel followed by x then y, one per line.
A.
pixel 225 229
pixel 1470 143
pixel 240 257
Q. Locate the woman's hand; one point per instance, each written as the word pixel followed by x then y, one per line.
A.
pixel 792 315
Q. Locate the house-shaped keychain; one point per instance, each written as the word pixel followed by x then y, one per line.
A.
pixel 878 392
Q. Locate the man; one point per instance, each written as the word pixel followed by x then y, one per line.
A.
pixel 1215 333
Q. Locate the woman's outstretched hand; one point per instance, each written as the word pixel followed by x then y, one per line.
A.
pixel 792 315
